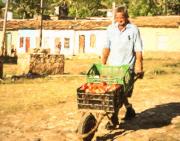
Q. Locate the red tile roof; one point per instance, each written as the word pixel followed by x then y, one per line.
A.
pixel 158 21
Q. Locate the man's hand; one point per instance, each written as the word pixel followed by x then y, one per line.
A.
pixel 140 75
pixel 139 65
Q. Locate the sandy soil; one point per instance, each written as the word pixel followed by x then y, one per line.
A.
pixel 46 109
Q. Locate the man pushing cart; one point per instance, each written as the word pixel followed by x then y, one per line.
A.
pixel 111 83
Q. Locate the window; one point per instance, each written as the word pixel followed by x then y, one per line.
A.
pixel 92 41
pixel 66 42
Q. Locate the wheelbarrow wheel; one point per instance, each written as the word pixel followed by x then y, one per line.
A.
pixel 87 123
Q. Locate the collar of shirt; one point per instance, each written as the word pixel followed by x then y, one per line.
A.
pixel 127 26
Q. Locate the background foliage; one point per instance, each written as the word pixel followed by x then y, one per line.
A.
pixel 87 8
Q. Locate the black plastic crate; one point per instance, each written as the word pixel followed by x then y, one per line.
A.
pixel 99 101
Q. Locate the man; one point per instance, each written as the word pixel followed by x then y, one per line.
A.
pixel 123 46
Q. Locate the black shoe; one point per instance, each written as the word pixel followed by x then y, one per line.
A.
pixel 130 113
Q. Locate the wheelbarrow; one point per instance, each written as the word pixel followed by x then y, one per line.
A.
pixel 94 106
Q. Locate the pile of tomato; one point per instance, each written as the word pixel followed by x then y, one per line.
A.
pixel 101 87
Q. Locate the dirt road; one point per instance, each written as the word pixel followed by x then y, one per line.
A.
pixel 46 109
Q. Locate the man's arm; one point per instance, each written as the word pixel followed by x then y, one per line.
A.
pixel 139 63
pixel 105 55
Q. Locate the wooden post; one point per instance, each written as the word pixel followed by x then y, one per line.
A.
pixel 4 29
pixel 41 24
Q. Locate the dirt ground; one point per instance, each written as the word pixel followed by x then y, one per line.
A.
pixel 45 109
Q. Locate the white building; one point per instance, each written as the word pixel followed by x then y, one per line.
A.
pixel 73 37
pixel 67 42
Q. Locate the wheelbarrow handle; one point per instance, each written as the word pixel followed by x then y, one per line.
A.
pixel 138 75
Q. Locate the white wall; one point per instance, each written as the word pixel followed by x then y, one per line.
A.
pixel 27 33
pixel 48 40
pixel 13 42
pixel 160 39
pixel 154 39
pixel 52 34
pixel 100 36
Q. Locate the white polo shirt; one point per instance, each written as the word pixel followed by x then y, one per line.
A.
pixel 123 45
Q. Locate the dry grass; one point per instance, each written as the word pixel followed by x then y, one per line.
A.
pixel 44 103
pixel 36 94
pixel 42 92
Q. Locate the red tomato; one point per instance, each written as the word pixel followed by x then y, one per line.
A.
pixel 90 84
pixel 87 91
pixel 84 87
pixel 113 87
pixel 102 90
pixel 96 91
pixel 108 87
pixel 102 84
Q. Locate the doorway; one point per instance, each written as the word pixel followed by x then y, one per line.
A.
pixel 81 44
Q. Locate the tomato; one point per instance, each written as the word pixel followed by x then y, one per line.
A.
pixel 107 88
pixel 114 87
pixel 102 84
pixel 117 86
pixel 84 87
pixel 87 90
pixel 96 91
pixel 99 88
pixel 90 84
pixel 102 90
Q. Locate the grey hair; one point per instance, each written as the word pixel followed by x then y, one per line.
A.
pixel 122 9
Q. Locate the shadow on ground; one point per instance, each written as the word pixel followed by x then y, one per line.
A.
pixel 156 117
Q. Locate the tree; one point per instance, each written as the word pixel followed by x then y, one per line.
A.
pixel 24 8
pixel 108 3
pixel 2 5
pixel 147 7
pixel 84 8
pixel 87 8
pixel 143 8
pixel 171 7
pixel 154 7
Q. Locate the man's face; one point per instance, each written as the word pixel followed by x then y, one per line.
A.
pixel 120 18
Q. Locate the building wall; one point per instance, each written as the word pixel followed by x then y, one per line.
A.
pixel 154 39
pixel 11 40
pixel 160 39
pixel 22 36
pixel 49 40
pixel 51 37
pixel 98 43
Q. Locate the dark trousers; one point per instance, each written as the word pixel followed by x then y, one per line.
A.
pixel 123 100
